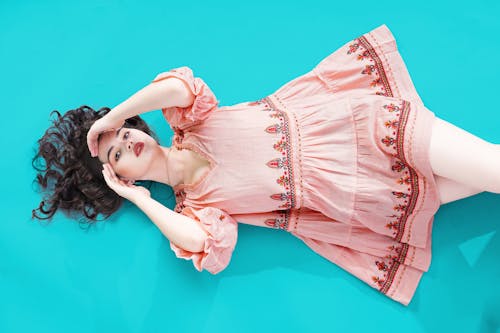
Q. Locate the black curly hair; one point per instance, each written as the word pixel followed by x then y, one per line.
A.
pixel 67 172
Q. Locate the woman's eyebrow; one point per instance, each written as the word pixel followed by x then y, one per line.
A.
pixel 110 148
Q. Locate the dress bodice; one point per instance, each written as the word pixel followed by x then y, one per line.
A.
pixel 248 146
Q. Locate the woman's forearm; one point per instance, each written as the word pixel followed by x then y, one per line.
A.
pixel 155 96
pixel 180 229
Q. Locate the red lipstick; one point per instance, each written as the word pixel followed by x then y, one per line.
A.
pixel 138 148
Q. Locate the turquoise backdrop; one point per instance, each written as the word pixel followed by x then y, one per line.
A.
pixel 122 275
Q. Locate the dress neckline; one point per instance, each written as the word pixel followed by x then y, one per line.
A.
pixel 195 149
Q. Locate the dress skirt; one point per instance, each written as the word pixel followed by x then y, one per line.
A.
pixel 368 192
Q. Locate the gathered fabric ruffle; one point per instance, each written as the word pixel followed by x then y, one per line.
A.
pixel 204 103
pixel 390 277
pixel 222 232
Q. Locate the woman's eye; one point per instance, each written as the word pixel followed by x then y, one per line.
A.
pixel 117 155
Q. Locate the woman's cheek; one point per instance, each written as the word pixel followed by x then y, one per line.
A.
pixel 128 167
pixel 120 168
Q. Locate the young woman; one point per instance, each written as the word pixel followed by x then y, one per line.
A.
pixel 345 157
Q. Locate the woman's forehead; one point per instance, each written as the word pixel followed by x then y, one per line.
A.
pixel 104 142
pixel 106 136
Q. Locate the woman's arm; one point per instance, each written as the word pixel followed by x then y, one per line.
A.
pixel 180 229
pixel 157 95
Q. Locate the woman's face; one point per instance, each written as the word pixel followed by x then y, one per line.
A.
pixel 129 151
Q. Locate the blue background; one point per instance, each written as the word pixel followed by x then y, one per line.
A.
pixel 122 276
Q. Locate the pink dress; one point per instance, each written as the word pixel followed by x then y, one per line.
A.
pixel 338 157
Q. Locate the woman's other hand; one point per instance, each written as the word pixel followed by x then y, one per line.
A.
pixel 101 125
pixel 125 189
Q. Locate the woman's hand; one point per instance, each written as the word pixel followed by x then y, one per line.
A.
pixel 124 189
pixel 101 125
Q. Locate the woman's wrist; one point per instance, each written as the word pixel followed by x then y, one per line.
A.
pixel 115 115
pixel 139 198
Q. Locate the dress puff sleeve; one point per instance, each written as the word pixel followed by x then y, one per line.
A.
pixel 204 103
pixel 222 232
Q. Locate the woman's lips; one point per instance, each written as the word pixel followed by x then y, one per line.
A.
pixel 138 148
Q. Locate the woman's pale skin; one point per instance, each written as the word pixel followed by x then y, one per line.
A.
pixel 160 164
pixel 463 164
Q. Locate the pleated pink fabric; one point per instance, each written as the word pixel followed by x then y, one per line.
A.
pixel 338 157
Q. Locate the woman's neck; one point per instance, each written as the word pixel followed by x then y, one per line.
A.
pixel 168 167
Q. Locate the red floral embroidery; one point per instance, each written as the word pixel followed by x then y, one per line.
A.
pixel 280 222
pixel 273 128
pixel 389 265
pixel 276 163
pixel 179 197
pixel 353 48
pixel 398 166
pixel 388 141
pixel 369 69
pixel 373 66
pixel 282 145
pixel 179 135
pixel 391 107
pixel 399 194
pixel 391 124
pixel 364 55
pixel 375 83
pixel 404 175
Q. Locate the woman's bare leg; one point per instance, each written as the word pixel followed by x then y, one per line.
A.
pixel 463 158
pixel 450 190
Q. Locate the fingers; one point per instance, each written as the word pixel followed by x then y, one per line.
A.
pixel 91 144
pixel 123 188
pixel 108 175
pixel 105 173
pixel 92 136
pixel 114 178
pixel 111 173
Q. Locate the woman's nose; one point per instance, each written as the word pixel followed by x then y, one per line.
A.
pixel 127 144
pixel 130 145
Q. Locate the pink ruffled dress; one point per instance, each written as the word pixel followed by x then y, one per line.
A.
pixel 338 157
